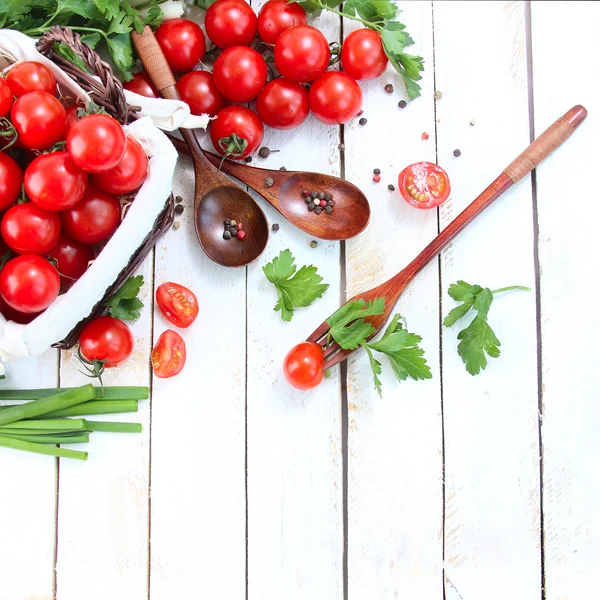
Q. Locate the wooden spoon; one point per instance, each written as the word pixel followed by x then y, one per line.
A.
pixel 351 212
pixel 216 197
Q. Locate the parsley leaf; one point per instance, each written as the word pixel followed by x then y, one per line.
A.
pixel 205 4
pixel 125 304
pixel 121 52
pixel 67 52
pixel 347 325
pixel 294 289
pixel 375 367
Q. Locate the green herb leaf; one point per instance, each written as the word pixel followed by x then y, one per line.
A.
pixel 375 367
pixel 83 8
pixel 373 11
pixel 477 339
pixel 204 3
pixel 347 325
pixel 409 66
pixel 458 312
pixel 121 53
pixel 91 39
pixel 109 8
pixel 315 7
pixel 125 304
pixel 66 52
pixel 154 17
pixel 459 290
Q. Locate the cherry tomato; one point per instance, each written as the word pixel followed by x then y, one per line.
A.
pixel 40 120
pixel 11 179
pixel 240 73
pixel 72 259
pixel 96 143
pixel 198 90
pixel 30 76
pixel 178 304
pixel 335 98
pixel 54 182
pixel 28 229
pixel 72 116
pixel 283 104
pixel 276 16
pixel 10 314
pixel 29 283
pixel 169 354
pixel 128 175
pixel 6 98
pixel 303 365
pixel 94 219
pixel 106 339
pixel 424 185
pixel 302 53
pixel 142 85
pixel 230 23
pixel 362 55
pixel 242 122
pixel 182 43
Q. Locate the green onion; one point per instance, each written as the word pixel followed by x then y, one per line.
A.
pixel 110 393
pixel 95 407
pixel 15 444
pixel 64 424
pixel 114 427
pixel 16 431
pixel 79 438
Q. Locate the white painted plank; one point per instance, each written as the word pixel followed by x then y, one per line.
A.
pixel 295 530
pixel 491 420
pixel 395 442
pixel 569 253
pixel 28 505
pixel 103 503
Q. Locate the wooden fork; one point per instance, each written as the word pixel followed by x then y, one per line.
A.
pixel 532 156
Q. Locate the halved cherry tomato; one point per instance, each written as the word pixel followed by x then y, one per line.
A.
pixel 6 98
pixel 31 76
pixel 72 259
pixel 178 304
pixel 198 90
pixel 303 365
pixel 11 179
pixel 276 16
pixel 142 85
pixel 424 185
pixel 169 354
pixel 106 339
pixel 40 120
pixel 182 43
pixel 230 23
pixel 29 229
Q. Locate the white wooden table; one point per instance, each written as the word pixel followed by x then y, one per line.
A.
pixel 458 487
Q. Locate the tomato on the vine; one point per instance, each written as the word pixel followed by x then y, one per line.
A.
pixel 230 23
pixel 142 85
pixel 31 76
pixel 182 43
pixel 54 182
pixel 72 259
pixel 240 73
pixel 283 104
pixel 106 339
pixel 302 53
pixel 335 98
pixel 28 229
pixel 198 90
pixel 424 184
pixel 363 56
pixel 40 120
pixel 169 354
pixel 236 132
pixel 11 179
pixel 29 283
pixel 6 98
pixel 96 143
pixel 177 303
pixel 303 365
pixel 128 175
pixel 276 16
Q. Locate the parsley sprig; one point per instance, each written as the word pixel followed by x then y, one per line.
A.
pixel 478 339
pixel 124 303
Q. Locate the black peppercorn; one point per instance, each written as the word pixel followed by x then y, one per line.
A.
pixel 308 200
pixel 311 207
pixel 389 88
pixel 318 210
pixel 391 187
pixel 227 235
pixel 264 152
pixel 178 199
pixel 328 197
pixel 328 210
pixel 376 171
pixel 313 195
pixel 320 195
pixel 330 202
pixel 248 159
pixel 402 104
pixel 178 209
pixel 457 153
pixel 275 228
pixel 362 121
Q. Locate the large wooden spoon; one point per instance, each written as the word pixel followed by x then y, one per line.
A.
pixel 216 197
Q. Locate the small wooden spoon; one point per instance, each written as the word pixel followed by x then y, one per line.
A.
pixel 216 197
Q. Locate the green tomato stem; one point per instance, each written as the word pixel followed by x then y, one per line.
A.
pixel 511 288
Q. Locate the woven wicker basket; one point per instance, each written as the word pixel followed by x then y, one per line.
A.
pixel 107 93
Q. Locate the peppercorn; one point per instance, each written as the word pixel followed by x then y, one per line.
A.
pixel 402 104
pixel 323 203
pixel 328 210
pixel 341 147
pixel 282 169
pixel 308 200
pixel 264 152
pixel 313 195
pixel 437 95
pixel 328 197
pixel 362 121
pixel 176 225
pixel 275 228
pixel 241 234
pixel 320 195
pixel 316 202
pixel 240 226
pixel 232 223
pixel 472 122
pixel 305 193
pixel 269 182
pixel 376 171
pixel 318 210
pixel 376 178
pixel 424 136
pixel 178 199
pixel 311 207
pixel 330 203
pixel 248 159
pixel 457 153
pixel 226 222
pixel 227 234
pixel 313 244
pixel 391 187
pixel 389 88
pixel 178 209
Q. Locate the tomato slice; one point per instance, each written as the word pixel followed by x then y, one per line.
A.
pixel 424 185
pixel 169 354
pixel 178 304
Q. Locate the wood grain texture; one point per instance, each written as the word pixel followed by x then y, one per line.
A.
pixel 490 420
pixel 569 261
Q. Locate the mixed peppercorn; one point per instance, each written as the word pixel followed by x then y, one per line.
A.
pixel 233 229
pixel 318 201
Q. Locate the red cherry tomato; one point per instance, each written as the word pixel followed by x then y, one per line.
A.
pixel 169 354
pixel 363 56
pixel 283 104
pixel 302 53
pixel 6 98
pixel 182 43
pixel 11 180
pixel 30 76
pixel 198 90
pixel 424 185
pixel 178 304
pixel 10 314
pixel 40 120
pixel 242 122
pixel 240 73
pixel 106 339
pixel 303 366
pixel 142 85
pixel 29 283
pixel 28 229
pixel 96 143
pixel 72 116
pixel 335 98
pixel 230 23
pixel 72 259
pixel 94 219
pixel 276 16
pixel 54 182
pixel 128 175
